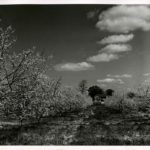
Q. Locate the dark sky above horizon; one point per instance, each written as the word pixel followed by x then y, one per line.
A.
pixel 70 34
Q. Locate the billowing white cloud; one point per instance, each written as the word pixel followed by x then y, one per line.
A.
pixel 82 66
pixel 110 80
pixel 109 53
pixel 103 57
pixel 146 74
pixel 125 18
pixel 116 48
pixel 122 38
pixel 120 76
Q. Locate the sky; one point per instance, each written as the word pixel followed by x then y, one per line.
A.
pixel 108 45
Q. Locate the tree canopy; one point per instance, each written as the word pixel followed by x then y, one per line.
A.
pixel 109 92
pixel 95 90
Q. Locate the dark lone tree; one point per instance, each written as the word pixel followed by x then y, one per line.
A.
pixel 95 90
pixel 109 92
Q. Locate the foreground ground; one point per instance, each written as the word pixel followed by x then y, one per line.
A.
pixel 95 126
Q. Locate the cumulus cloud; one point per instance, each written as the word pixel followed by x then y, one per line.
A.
pixel 120 76
pixel 110 80
pixel 82 66
pixel 109 53
pixel 122 38
pixel 103 57
pixel 125 18
pixel 146 74
pixel 116 48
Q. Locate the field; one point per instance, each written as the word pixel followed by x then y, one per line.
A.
pixel 89 127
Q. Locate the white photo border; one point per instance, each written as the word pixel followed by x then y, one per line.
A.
pixel 13 2
pixel 46 2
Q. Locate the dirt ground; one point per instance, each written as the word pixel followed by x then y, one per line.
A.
pixel 94 126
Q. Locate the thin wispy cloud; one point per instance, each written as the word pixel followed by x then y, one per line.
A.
pixel 146 82
pixel 110 80
pixel 103 57
pixel 82 66
pixel 122 38
pixel 91 14
pixel 103 85
pixel 120 76
pixel 125 18
pixel 146 74
pixel 116 48
pixel 51 56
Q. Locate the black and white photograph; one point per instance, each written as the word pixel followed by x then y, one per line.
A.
pixel 75 74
